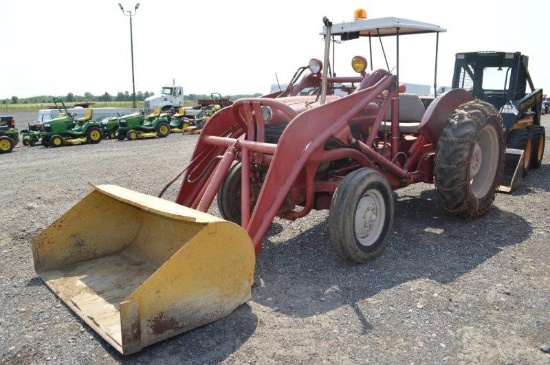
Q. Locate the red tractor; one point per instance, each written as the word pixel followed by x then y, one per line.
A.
pixel 140 269
pixel 288 153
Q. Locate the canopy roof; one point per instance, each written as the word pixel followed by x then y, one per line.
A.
pixel 390 26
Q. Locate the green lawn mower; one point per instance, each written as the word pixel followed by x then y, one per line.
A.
pixel 140 126
pixel 9 135
pixel 32 135
pixel 66 130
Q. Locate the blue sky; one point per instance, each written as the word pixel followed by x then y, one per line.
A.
pixel 238 47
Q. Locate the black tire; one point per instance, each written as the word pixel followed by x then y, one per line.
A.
pixel 32 142
pixel 469 160
pixel 6 144
pixel 229 195
pixel 111 135
pixel 94 135
pixel 361 216
pixel 131 135
pixel 521 139
pixel 120 136
pixel 56 140
pixel 26 142
pixel 538 137
pixel 163 129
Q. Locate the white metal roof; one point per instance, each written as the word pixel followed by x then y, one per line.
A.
pixel 384 27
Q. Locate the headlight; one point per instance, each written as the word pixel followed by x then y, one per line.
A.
pixel 315 66
pixel 267 113
pixel 359 64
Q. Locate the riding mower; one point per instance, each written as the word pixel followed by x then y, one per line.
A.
pixel 140 126
pixel 110 126
pixel 179 123
pixel 66 130
pixel 32 135
pixel 9 135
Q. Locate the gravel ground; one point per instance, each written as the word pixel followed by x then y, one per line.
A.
pixel 445 291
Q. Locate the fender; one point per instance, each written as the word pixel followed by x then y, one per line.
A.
pixel 435 118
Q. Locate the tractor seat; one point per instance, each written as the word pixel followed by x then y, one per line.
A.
pixel 155 113
pixel 180 112
pixel 411 111
pixel 87 116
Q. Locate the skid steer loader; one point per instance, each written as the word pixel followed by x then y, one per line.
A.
pixel 502 79
pixel 341 143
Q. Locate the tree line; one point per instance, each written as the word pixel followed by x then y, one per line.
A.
pixel 106 97
pixel 70 97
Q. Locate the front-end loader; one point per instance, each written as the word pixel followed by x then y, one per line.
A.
pixel 139 269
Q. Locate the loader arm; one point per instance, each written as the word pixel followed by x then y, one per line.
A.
pixel 300 147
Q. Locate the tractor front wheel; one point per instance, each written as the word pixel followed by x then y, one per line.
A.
pixel 94 135
pixel 469 160
pixel 361 216
pixel 56 141
pixel 6 144
pixel 26 142
pixel 163 129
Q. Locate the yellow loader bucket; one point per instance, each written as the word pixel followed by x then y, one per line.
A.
pixel 139 269
pixel 512 175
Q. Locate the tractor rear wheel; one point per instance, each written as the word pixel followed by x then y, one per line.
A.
pixel 229 195
pixel 131 135
pixel 521 139
pixel 56 141
pixel 94 135
pixel 361 216
pixel 538 140
pixel 163 129
pixel 469 160
pixel 6 144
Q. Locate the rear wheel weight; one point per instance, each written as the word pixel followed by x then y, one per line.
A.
pixel 469 160
pixel 361 216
